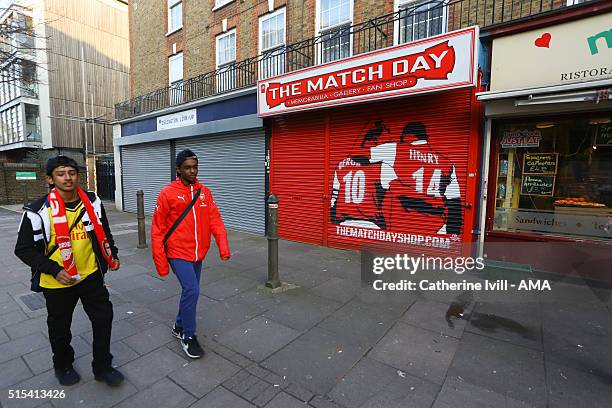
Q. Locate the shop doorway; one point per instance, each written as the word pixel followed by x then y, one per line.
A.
pixel 105 175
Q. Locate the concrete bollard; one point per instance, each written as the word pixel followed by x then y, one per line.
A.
pixel 273 278
pixel 142 232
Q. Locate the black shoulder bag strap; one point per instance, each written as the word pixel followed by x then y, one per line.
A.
pixel 76 221
pixel 181 217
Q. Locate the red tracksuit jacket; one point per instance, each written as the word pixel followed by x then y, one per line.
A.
pixel 191 240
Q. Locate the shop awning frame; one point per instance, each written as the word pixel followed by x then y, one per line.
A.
pixel 575 92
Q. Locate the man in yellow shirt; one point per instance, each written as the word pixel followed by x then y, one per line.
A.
pixel 81 245
pixel 66 240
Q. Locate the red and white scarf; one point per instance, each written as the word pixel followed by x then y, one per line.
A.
pixel 62 231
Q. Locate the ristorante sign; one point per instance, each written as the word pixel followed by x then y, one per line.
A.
pixel 443 62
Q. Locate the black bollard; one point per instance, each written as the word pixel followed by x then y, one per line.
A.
pixel 273 279
pixel 142 232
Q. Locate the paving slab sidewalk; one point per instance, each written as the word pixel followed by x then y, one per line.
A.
pixel 329 343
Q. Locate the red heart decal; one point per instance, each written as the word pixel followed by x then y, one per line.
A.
pixel 543 41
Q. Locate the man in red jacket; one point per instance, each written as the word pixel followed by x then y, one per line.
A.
pixel 185 248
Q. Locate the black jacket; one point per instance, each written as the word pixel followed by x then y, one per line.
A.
pixel 34 234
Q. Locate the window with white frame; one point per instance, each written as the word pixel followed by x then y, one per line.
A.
pixel 175 15
pixel 226 61
pixel 175 78
pixel 226 48
pixel 272 44
pixel 221 3
pixel 421 19
pixel 175 68
pixel 334 20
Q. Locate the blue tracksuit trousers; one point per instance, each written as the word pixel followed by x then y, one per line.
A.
pixel 188 274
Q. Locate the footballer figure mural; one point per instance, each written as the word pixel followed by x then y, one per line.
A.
pixel 361 181
pixel 397 181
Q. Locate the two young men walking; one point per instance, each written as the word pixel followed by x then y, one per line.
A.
pixel 65 238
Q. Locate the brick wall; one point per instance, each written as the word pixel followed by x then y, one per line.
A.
pixel 466 13
pixel 148 41
pixel 12 191
pixel 244 17
pixel 364 10
pixel 300 20
pixel 201 25
pixel 198 55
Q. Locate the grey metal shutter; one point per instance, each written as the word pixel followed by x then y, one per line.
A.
pixel 231 165
pixel 145 167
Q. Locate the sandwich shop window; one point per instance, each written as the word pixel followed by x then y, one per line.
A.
pixel 554 176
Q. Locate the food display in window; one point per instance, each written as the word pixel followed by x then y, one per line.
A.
pixel 561 184
pixel 578 202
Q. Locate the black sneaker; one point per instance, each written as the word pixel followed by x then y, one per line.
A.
pixel 191 347
pixel 111 377
pixel 177 331
pixel 67 376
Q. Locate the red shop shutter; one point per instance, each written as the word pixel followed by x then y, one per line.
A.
pixel 297 176
pixel 413 210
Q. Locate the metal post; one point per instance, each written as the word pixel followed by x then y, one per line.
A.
pixel 273 279
pixel 85 116
pixel 25 193
pixel 142 233
pixel 93 123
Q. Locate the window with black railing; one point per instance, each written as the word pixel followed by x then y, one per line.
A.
pixel 272 44
pixel 335 20
pixel 421 19
pixel 175 77
pixel 336 44
pixel 272 63
pixel 176 96
pixel 226 77
pixel 226 61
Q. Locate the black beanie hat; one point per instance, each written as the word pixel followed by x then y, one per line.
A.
pixel 59 161
pixel 185 155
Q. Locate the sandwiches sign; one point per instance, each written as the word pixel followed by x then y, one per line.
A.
pixel 443 62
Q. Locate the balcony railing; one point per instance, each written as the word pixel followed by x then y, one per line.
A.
pixel 416 20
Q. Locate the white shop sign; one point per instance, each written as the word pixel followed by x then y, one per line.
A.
pixel 564 223
pixel 570 52
pixel 443 62
pixel 178 119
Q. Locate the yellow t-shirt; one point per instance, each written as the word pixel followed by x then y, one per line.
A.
pixel 84 257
